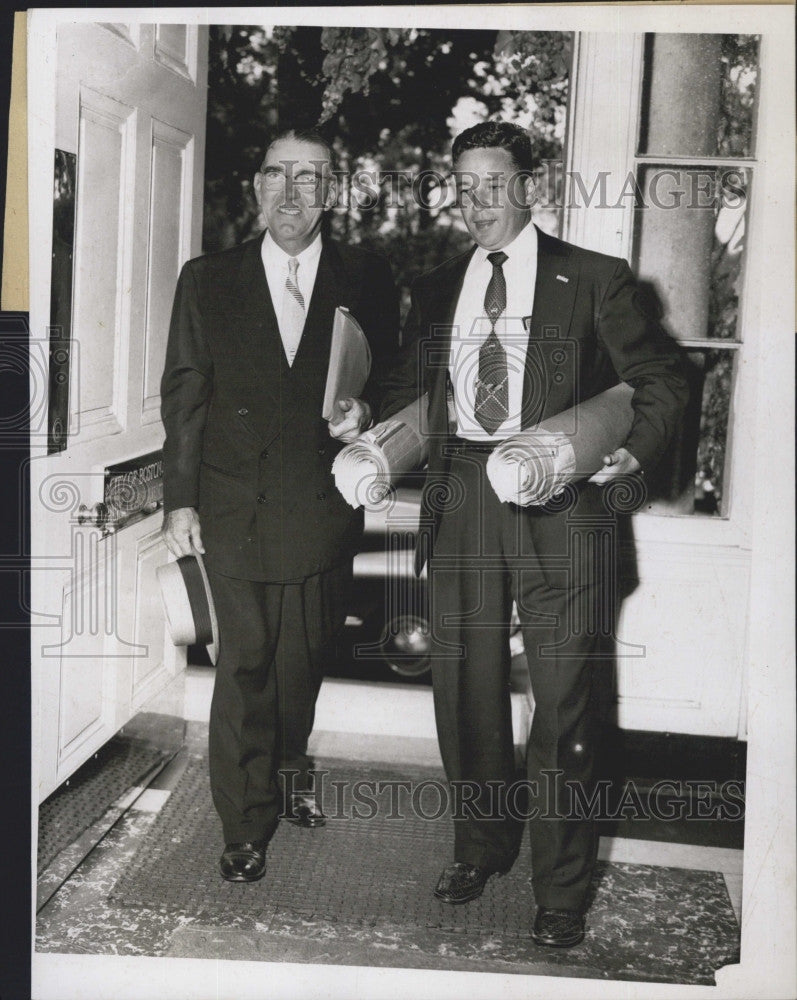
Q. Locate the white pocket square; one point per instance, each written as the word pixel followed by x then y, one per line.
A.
pixel 561 277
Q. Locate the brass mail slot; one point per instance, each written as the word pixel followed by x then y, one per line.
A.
pixel 132 490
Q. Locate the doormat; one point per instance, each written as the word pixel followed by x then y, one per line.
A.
pixel 376 862
pixel 75 805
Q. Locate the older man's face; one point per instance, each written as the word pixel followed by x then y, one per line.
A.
pixel 294 188
pixel 494 199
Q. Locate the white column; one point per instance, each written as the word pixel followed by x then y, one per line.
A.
pixel 605 91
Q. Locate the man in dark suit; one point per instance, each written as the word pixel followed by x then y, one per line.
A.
pixel 519 328
pixel 247 480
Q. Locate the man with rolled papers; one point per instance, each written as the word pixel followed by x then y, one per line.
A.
pixel 514 331
pixel 248 479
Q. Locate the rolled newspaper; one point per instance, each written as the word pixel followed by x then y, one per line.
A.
pixel 530 467
pixel 365 469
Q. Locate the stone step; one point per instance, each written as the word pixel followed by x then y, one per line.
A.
pixel 363 709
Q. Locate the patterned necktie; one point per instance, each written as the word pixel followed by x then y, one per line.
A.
pixel 492 386
pixel 293 313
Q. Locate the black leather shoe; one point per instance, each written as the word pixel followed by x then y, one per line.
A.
pixel 244 862
pixel 305 811
pixel 558 928
pixel 460 883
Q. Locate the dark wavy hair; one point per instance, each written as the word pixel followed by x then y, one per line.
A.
pixel 496 135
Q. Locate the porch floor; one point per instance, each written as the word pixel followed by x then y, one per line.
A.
pixel 358 891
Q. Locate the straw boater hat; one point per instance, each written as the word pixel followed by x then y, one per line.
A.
pixel 188 604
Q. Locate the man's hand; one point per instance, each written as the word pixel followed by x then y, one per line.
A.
pixel 619 463
pixel 181 532
pixel 356 418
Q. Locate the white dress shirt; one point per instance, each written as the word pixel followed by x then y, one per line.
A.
pixel 472 327
pixel 275 263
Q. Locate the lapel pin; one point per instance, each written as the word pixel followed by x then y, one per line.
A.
pixel 561 277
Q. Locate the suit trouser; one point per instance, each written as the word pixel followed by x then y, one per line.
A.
pixel 486 554
pixel 274 641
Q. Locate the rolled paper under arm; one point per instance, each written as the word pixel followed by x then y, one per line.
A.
pixel 530 467
pixel 365 469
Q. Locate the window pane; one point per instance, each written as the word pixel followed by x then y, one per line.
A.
pixel 739 95
pixel 717 381
pixel 699 94
pixel 689 246
pixel 690 478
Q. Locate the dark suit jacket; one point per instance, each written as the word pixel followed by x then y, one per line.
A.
pixel 589 328
pixel 245 442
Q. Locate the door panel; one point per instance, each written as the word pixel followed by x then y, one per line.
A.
pixel 689 676
pixel 86 687
pixel 148 627
pixel 175 48
pixel 170 236
pixel 127 32
pixel 103 232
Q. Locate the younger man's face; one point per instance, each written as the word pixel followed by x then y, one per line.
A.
pixel 495 200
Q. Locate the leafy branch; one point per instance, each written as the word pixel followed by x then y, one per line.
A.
pixel 353 56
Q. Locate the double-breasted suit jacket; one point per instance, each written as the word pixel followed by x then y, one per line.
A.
pixel 589 329
pixel 245 441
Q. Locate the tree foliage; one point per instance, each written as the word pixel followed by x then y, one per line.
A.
pixel 739 86
pixel 389 100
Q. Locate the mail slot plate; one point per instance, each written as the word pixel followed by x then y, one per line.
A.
pixel 133 489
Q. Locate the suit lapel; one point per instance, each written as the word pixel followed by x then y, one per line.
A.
pixel 330 289
pixel 554 299
pixel 442 312
pixel 256 325
pixel 449 297
pixel 251 305
pixel 555 289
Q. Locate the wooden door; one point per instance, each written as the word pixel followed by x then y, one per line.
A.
pixel 127 103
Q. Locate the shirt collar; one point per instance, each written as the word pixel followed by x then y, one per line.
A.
pixel 274 254
pixel 522 247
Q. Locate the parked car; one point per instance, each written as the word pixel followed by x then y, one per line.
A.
pixel 388 633
pixel 387 630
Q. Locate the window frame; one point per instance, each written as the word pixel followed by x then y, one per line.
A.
pixel 607 80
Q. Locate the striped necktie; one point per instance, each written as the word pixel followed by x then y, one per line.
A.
pixel 293 312
pixel 492 386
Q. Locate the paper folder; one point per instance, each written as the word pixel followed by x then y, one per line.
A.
pixel 349 363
